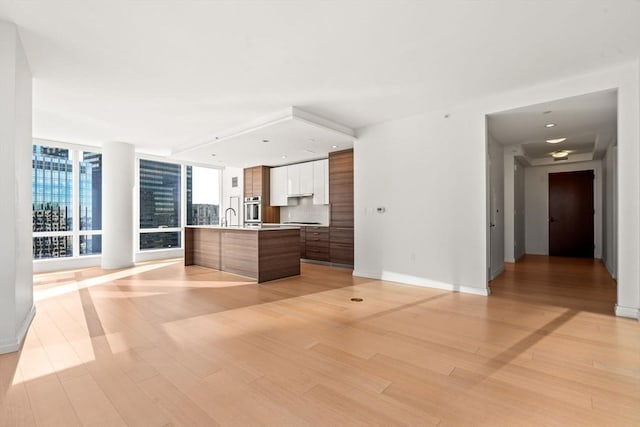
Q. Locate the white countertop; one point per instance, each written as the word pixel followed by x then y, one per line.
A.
pixel 296 224
pixel 263 227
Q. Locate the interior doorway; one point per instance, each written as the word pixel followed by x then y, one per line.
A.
pixel 551 189
pixel 571 214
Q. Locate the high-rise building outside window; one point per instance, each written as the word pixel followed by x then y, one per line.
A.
pixel 159 206
pixel 52 196
pixel 90 203
pixel 56 215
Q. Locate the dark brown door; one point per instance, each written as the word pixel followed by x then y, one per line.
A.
pixel 571 212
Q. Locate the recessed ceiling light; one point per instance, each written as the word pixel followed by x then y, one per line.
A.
pixel 334 146
pixel 284 157
pixel 555 141
pixel 559 154
pixel 213 155
pixel 549 125
pixel 265 140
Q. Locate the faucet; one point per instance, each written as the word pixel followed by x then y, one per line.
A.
pixel 225 223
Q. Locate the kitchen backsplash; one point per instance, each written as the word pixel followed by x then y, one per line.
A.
pixel 305 211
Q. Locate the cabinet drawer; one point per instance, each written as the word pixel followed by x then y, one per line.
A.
pixel 317 233
pixel 320 236
pixel 341 235
pixel 318 255
pixel 320 244
pixel 341 253
pixel 315 229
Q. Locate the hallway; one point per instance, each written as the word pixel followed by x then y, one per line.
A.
pixel 575 283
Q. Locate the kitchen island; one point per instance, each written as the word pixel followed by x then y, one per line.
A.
pixel 261 253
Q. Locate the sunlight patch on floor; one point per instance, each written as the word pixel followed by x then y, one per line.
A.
pixel 40 295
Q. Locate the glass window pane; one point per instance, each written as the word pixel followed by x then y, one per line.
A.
pixel 90 191
pixel 203 196
pixel 161 240
pixel 159 195
pixel 91 245
pixel 52 176
pixel 52 247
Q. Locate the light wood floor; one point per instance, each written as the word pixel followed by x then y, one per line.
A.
pixel 162 345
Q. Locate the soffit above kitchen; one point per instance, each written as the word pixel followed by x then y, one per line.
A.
pixel 585 124
pixel 284 137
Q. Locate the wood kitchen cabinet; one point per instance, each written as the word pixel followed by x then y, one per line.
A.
pixel 303 242
pixel 257 183
pixel 254 181
pixel 317 243
pixel 341 207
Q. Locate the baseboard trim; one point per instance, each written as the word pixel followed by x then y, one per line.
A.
pixel 158 254
pixel 15 344
pixel 631 312
pixel 406 279
pixel 499 272
pixel 59 264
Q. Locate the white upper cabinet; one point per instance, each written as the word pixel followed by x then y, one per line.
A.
pixel 278 186
pixel 321 182
pixel 306 178
pixel 300 179
pixel 293 180
pixel 289 182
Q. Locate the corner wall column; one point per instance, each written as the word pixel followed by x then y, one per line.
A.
pixel 16 252
pixel 118 180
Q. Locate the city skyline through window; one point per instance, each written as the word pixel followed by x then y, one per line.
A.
pixel 160 184
pixel 63 227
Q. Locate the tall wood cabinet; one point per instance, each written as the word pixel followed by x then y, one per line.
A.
pixel 341 206
pixel 256 183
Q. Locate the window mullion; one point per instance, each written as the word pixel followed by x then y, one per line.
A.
pixel 75 204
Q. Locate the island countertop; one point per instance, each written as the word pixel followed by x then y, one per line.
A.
pixel 263 227
pixel 262 253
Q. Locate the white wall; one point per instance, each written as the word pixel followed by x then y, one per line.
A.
pixel 519 213
pixel 229 191
pixel 537 204
pixel 430 174
pixel 16 283
pixel 496 211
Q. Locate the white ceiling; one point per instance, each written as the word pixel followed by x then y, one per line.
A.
pixel 168 75
pixel 588 122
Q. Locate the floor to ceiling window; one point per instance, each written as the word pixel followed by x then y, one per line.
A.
pixel 66 202
pixel 203 196
pixel 90 203
pixel 159 205
pixel 161 201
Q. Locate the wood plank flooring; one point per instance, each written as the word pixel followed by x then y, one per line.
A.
pixel 161 344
